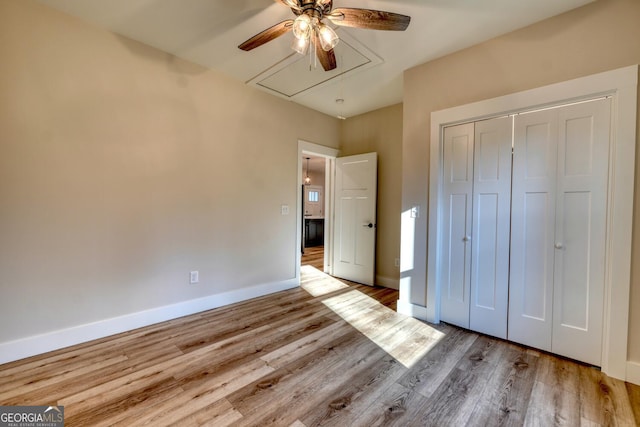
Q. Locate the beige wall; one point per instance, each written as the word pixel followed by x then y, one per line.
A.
pixel 122 168
pixel 598 37
pixel 381 131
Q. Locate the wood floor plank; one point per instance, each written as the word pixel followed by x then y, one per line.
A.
pixel 552 406
pixel 313 393
pixel 603 399
pixel 196 399
pixel 505 399
pixel 250 347
pixel 397 406
pixel 633 392
pixel 555 397
pixel 346 402
pixel 106 410
pixel 456 398
pixel 219 414
pixel 431 370
pixel 301 375
pixel 287 354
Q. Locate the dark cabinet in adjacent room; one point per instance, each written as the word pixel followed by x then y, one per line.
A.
pixel 313 232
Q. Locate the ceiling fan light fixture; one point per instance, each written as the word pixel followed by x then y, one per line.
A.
pixel 300 45
pixel 302 27
pixel 328 37
pixel 307 179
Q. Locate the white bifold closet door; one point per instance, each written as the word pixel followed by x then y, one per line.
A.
pixel 490 227
pixel 559 210
pixel 476 212
pixel 456 227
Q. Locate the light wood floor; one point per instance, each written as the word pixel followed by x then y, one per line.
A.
pixel 329 353
pixel 314 256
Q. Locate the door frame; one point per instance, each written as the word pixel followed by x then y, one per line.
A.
pixel 621 84
pixel 330 154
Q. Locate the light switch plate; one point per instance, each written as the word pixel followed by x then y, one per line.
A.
pixel 194 277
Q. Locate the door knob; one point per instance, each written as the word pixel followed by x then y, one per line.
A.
pixel 558 245
pixel 466 238
pixel 370 225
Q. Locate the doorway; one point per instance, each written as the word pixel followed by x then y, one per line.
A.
pixel 313 210
pixel 314 225
pixel 349 214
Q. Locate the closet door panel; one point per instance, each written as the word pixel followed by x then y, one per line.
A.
pixel 491 219
pixel 536 268
pixel 580 230
pixel 456 248
pixel 532 228
pixel 572 260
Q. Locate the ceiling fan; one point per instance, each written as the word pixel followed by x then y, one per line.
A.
pixel 310 28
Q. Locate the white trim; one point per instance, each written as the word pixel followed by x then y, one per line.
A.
pixel 330 200
pixel 633 372
pixel 330 154
pixel 38 344
pixel 388 282
pixel 413 310
pixel 621 84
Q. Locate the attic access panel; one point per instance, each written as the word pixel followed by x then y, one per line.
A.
pixel 297 74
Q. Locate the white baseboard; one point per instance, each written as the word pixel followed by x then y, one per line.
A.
pixel 38 344
pixel 413 310
pixel 388 282
pixel 633 372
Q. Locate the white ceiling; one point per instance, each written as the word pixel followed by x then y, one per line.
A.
pixel 207 32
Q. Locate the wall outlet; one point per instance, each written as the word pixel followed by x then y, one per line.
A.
pixel 194 277
pixel 284 209
pixel 397 262
pixel 415 212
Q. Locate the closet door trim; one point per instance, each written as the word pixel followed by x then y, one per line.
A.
pixel 621 85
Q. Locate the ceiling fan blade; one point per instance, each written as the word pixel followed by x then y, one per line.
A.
pixel 326 58
pixel 369 19
pixel 267 35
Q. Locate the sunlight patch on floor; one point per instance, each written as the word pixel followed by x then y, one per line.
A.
pixel 403 337
pixel 318 283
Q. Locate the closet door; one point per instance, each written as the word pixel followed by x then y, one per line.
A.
pixel 456 224
pixel 583 158
pixel 533 202
pixel 491 221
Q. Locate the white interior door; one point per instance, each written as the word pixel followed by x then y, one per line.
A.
pixel 456 224
pixel 355 218
pixel 578 299
pixel 532 228
pixel 491 226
